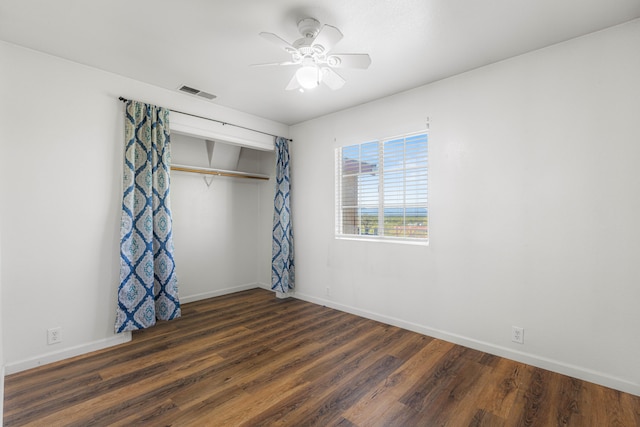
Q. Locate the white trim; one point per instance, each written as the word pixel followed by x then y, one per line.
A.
pixel 202 128
pixel 264 286
pixel 383 239
pixel 519 356
pixel 218 292
pixel 56 356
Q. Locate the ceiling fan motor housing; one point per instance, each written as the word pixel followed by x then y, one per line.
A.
pixel 309 27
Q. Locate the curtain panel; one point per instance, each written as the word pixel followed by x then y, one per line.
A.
pixel 148 284
pixel 282 265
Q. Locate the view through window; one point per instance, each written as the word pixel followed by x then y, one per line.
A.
pixel 381 189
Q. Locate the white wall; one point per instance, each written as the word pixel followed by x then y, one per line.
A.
pixel 534 204
pixel 60 184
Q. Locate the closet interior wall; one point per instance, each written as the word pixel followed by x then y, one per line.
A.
pixel 221 225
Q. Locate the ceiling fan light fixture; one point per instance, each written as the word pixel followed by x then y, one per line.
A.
pixel 308 76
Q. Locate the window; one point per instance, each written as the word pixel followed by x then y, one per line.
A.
pixel 381 189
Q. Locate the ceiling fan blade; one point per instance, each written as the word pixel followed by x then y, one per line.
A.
pixel 326 39
pixel 349 60
pixel 331 79
pixel 274 63
pixel 278 41
pixel 293 84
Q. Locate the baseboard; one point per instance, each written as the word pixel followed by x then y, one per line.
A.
pixel 530 359
pixel 281 295
pixel 218 292
pixel 12 368
pixel 264 286
pixel 57 356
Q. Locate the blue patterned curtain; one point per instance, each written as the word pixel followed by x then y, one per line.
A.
pixel 148 284
pixel 282 266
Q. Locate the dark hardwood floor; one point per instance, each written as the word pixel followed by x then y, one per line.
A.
pixel 249 359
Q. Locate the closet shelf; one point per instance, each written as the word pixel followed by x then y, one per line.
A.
pixel 218 172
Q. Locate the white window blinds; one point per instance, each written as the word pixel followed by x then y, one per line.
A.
pixel 381 189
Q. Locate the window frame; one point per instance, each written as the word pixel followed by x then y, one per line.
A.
pixel 381 203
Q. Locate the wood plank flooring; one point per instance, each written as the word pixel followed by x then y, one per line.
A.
pixel 249 359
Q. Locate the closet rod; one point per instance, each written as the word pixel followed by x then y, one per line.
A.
pixel 218 172
pixel 217 121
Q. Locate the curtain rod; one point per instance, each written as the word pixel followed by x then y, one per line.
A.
pixel 217 121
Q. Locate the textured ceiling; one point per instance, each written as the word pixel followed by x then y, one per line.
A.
pixel 210 45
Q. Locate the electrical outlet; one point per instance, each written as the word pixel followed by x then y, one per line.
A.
pixel 54 335
pixel 328 291
pixel 517 334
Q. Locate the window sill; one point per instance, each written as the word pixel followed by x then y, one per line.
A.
pixel 377 239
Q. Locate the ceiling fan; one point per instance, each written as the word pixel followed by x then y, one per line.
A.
pixel 312 53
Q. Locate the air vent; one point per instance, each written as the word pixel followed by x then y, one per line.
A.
pixel 196 92
pixel 206 95
pixel 190 90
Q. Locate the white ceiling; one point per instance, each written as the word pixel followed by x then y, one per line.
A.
pixel 209 44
